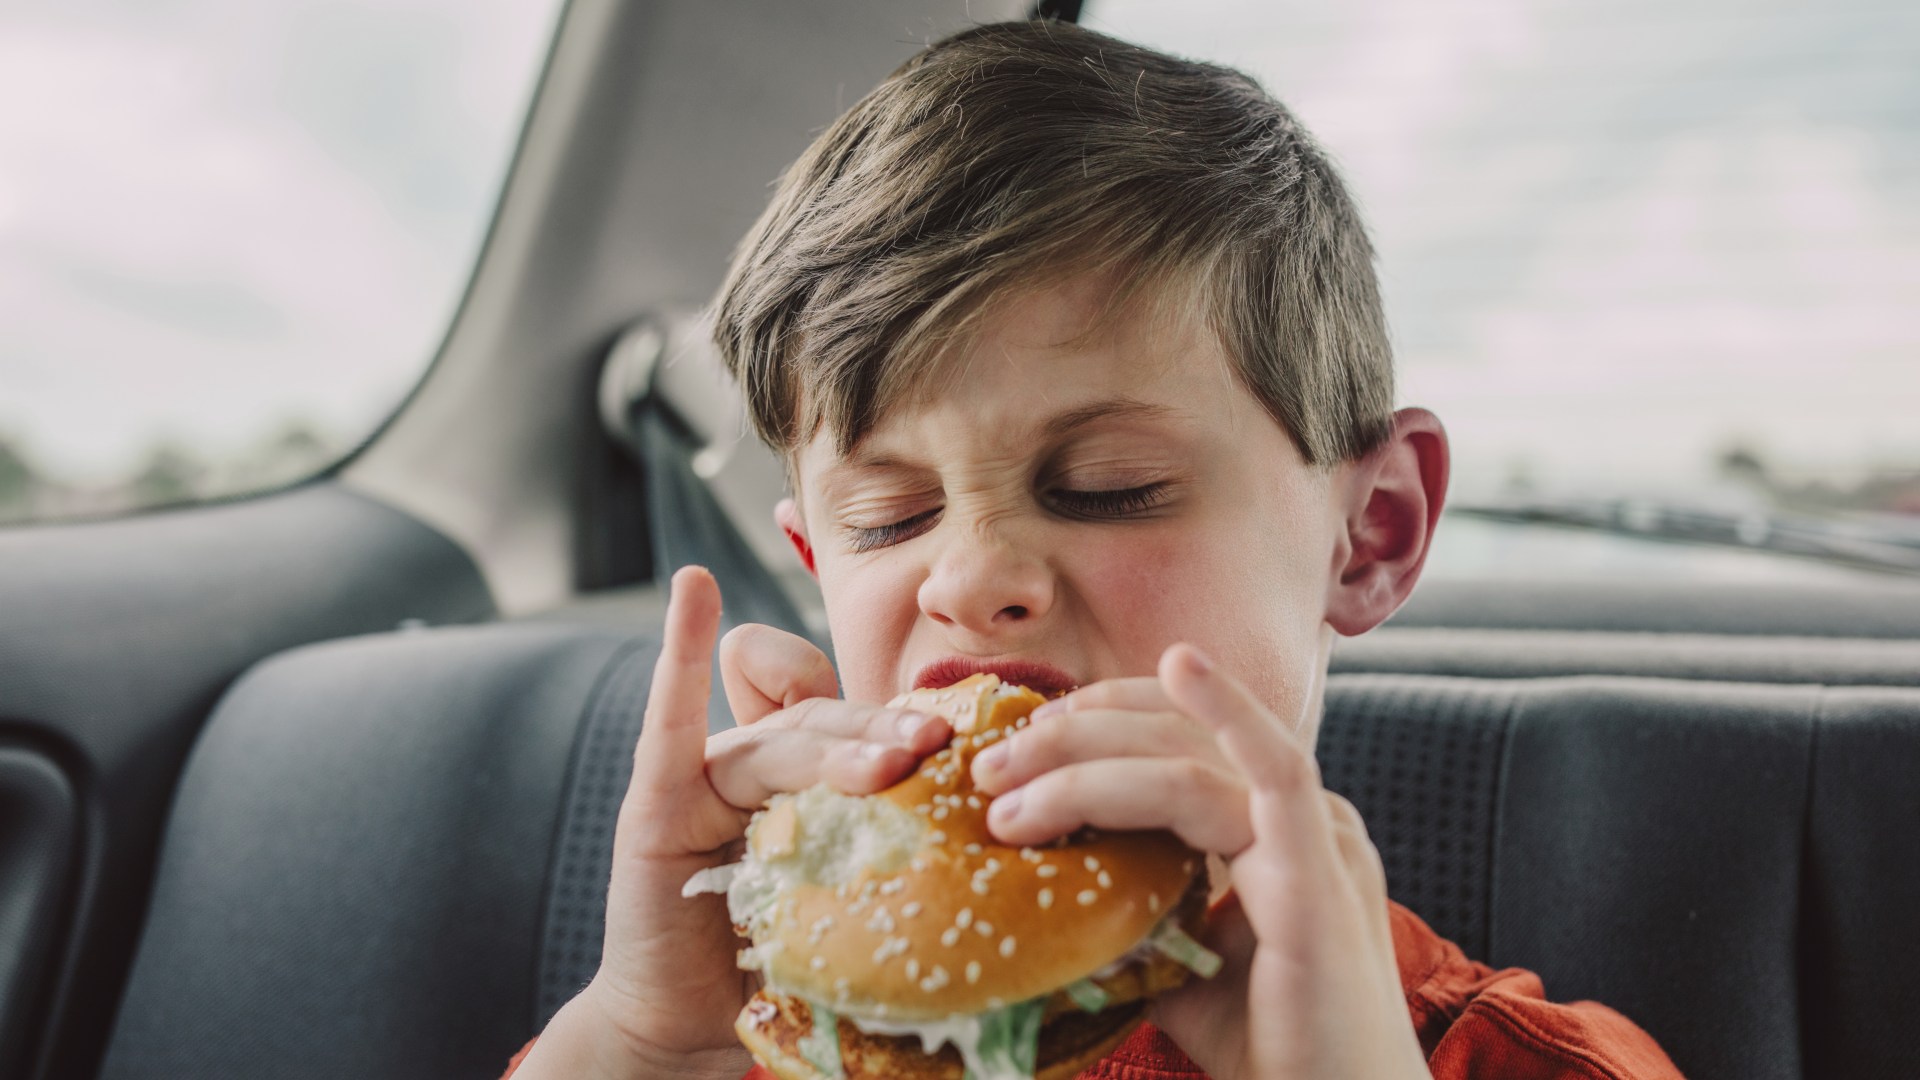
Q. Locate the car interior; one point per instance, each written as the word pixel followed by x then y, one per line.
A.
pixel 321 781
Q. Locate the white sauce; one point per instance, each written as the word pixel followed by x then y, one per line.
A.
pixel 961 1032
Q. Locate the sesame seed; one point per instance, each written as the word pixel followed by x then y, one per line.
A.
pixel 1046 870
pixel 1153 903
pixel 964 918
pixel 940 813
pixel 923 808
pixel 985 928
pixel 936 837
pixel 919 865
pixel 950 937
pixel 910 908
pixel 973 849
pixel 1087 896
pixel 973 972
pixel 993 865
pixel 973 801
pixel 1105 879
pixel 996 1003
pixel 1092 863
pixel 913 969
pixel 1046 899
pixel 980 886
pixel 1029 854
pixel 1006 947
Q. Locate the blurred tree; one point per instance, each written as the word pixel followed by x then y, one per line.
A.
pixel 19 482
pixel 170 474
pixel 295 450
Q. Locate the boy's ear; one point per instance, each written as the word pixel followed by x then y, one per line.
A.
pixel 787 515
pixel 1392 502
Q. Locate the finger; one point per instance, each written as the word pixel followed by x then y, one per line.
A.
pixel 1254 739
pixel 920 732
pixel 1284 781
pixel 748 766
pixel 765 669
pixel 1087 736
pixel 1357 850
pixel 1204 804
pixel 1143 693
pixel 674 728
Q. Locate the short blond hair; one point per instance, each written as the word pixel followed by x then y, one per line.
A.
pixel 1015 154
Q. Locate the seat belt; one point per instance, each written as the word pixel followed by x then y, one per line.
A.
pixel 686 524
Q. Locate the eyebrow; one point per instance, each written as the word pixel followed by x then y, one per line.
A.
pixel 864 459
pixel 1112 408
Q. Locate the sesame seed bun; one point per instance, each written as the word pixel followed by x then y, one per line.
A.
pixel 938 918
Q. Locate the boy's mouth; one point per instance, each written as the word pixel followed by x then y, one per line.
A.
pixel 1032 674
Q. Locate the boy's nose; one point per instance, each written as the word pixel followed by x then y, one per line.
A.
pixel 987 588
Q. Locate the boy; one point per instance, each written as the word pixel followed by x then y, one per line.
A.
pixel 1076 357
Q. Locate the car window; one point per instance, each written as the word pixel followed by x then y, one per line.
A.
pixel 232 234
pixel 1646 259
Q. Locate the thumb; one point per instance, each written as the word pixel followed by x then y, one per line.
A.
pixel 766 669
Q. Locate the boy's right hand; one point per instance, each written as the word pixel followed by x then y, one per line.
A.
pixel 667 992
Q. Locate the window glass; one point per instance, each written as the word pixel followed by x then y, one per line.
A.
pixel 1649 256
pixel 233 233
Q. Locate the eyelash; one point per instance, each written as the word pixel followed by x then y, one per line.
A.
pixel 1116 503
pixel 1081 504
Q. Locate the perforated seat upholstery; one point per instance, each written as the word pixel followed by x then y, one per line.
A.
pixel 389 855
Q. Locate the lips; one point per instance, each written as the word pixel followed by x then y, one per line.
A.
pixel 1033 674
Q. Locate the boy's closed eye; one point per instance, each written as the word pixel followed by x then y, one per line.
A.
pixel 1105 504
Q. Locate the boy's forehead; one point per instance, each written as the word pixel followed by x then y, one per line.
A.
pixel 1040 365
pixel 1024 391
pixel 881 450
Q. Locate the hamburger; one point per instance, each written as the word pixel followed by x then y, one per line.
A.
pixel 895 937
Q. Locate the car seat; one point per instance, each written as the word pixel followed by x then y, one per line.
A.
pixel 389 854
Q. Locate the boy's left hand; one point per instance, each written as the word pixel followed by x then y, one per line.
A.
pixel 1310 988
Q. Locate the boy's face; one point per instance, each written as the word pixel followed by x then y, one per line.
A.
pixel 978 524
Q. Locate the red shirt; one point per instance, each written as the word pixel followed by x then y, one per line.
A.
pixel 1472 1021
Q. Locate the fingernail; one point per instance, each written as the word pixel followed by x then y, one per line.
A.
pixel 911 723
pixel 1198 662
pixel 1006 807
pixel 993 757
pixel 873 750
pixel 1056 707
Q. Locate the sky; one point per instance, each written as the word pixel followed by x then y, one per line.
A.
pixel 1616 236
pixel 220 215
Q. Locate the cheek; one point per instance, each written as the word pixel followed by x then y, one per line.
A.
pixel 871 610
pixel 1251 596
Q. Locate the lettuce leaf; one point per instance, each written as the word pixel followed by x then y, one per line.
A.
pixel 822 1048
pixel 1009 1044
pixel 1087 994
pixel 1184 950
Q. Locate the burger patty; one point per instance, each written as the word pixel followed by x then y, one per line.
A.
pixel 1075 1037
